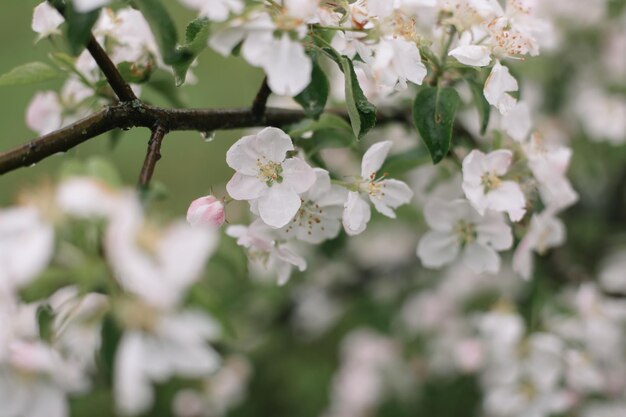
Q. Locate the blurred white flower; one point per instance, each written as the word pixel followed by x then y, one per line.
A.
pixel 484 188
pixel 46 20
pixel 215 10
pixel 87 198
pixel 498 86
pixel 458 227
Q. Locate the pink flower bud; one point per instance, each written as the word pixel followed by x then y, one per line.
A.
pixel 206 211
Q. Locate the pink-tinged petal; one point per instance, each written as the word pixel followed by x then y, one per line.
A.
pixel 356 214
pixel 498 162
pixel 206 211
pixel 480 258
pixel 273 143
pixel 287 66
pixel 244 156
pixel 298 175
pixel 436 249
pixel 44 113
pixel 278 206
pixel 493 231
pixel 472 55
pixel 392 195
pixel 374 158
pixel 508 197
pixel 244 187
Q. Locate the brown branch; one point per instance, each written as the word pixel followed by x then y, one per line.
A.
pixel 152 156
pixel 260 101
pixel 116 81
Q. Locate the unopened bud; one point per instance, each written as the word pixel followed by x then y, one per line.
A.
pixel 206 211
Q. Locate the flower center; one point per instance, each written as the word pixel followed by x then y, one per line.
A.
pixel 270 172
pixel 373 186
pixel 465 231
pixel 307 217
pixel 490 181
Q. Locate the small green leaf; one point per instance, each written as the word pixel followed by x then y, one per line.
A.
pixel 434 111
pixel 484 110
pixel 78 28
pixel 196 36
pixel 163 28
pixel 362 113
pixel 313 98
pixel 31 73
pixel 45 321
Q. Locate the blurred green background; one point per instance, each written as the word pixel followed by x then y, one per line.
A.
pixel 190 167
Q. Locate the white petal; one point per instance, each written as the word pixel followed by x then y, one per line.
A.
pixel 517 123
pixel 440 215
pixel 436 249
pixel 46 20
pixel 244 155
pixel 133 393
pixel 480 258
pixel 497 88
pixel 472 55
pixel 498 162
pixel 243 187
pixel 224 41
pixel 288 67
pixel 407 61
pixel 356 214
pixel 393 194
pixel 278 206
pixel 493 231
pixel 374 158
pixel 273 143
pixel 298 175
pixel 44 113
pixel 508 197
pixel 523 261
pixel 85 6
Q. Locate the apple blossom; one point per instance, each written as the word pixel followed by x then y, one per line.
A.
pixel 457 227
pixel 46 20
pixel 484 187
pixel 385 194
pixel 206 211
pixel 545 232
pixel 44 113
pixel 472 55
pixel 319 216
pixel 265 175
pixel 265 251
pixel 87 198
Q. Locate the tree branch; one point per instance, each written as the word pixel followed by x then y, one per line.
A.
pixel 260 101
pixel 153 155
pixel 116 81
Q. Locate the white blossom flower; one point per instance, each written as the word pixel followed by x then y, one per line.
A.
pixel 265 252
pixel 395 61
pixel 498 86
pixel 385 194
pixel 26 246
pixel 215 10
pixel 266 176
pixel 545 232
pixel 46 20
pixel 457 227
pixel 206 211
pixel 160 347
pixel 43 114
pixel 484 188
pixel 87 198
pixel 156 266
pixel 517 123
pixel 319 216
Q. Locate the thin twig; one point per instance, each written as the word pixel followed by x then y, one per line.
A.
pixel 152 156
pixel 260 101
pixel 116 81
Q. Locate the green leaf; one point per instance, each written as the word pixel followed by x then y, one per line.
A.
pixel 196 36
pixel 313 98
pixel 484 110
pixel 30 73
pixel 45 321
pixel 362 113
pixel 401 163
pixel 163 28
pixel 434 111
pixel 78 28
